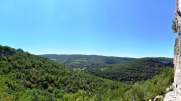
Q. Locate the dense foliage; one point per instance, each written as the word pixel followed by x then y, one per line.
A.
pixel 134 70
pixel 26 77
pixel 150 88
pixel 85 61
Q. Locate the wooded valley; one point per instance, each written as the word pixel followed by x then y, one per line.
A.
pixel 27 77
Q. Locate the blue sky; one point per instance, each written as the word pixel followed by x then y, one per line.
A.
pixel 125 28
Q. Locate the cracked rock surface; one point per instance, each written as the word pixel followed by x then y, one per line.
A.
pixel 175 95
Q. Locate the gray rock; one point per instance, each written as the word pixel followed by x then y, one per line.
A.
pixel 175 95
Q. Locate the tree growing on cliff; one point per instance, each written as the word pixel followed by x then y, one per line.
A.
pixel 174 27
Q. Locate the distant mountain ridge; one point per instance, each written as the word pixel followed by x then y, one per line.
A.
pixel 85 61
pixel 115 68
pixel 162 61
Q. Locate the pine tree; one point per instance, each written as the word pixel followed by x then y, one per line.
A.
pixel 174 27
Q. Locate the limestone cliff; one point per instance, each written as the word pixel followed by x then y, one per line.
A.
pixel 175 95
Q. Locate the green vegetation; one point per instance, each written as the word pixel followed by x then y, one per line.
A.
pixel 85 61
pixel 174 27
pixel 152 87
pixel 114 68
pixel 26 77
pixel 132 71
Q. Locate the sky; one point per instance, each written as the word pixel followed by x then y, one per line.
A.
pixel 123 28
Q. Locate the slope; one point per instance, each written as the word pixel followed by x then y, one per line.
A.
pixel 134 70
pixel 144 91
pixel 26 77
pixel 85 61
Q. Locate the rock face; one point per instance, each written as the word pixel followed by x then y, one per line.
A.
pixel 175 95
pixel 169 96
pixel 177 54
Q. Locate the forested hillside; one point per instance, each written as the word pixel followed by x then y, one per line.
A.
pixel 115 68
pixel 150 88
pixel 134 70
pixel 86 61
pixel 27 77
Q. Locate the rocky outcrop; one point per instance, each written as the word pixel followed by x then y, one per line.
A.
pixel 175 95
pixel 169 96
pixel 177 55
pixel 158 98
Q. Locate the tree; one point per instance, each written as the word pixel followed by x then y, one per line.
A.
pixel 174 27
